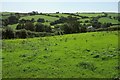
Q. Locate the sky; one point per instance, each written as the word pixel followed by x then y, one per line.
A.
pixel 51 7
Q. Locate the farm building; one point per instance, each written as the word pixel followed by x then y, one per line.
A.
pixel 90 28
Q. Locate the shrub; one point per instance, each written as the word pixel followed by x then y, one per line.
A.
pixel 21 33
pixel 41 20
pixel 8 33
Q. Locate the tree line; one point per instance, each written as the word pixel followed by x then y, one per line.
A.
pixel 32 28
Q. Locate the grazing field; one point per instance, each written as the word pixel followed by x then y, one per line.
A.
pixel 113 14
pixel 91 14
pixel 108 20
pixel 36 17
pixel 13 26
pixel 5 15
pixel 60 14
pixel 84 55
pixel 51 17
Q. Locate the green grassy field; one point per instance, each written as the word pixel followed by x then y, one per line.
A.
pixel 60 14
pixel 91 14
pixel 108 20
pixel 83 55
pixel 5 15
pixel 113 14
pixel 36 17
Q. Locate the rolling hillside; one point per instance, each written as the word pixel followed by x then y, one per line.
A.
pixel 84 55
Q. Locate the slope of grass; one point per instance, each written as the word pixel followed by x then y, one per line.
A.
pixel 36 17
pixel 108 20
pixel 5 15
pixel 91 14
pixel 84 55
pixel 60 14
pixel 13 26
pixel 113 14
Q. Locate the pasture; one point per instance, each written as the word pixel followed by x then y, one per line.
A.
pixel 49 18
pixel 108 20
pixel 83 55
pixel 91 14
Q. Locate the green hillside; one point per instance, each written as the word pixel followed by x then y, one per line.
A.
pixel 91 14
pixel 49 18
pixel 108 20
pixel 83 55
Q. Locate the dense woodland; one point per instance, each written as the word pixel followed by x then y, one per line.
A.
pixel 62 25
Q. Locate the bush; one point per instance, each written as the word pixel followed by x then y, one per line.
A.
pixel 21 33
pixel 41 20
pixel 8 33
pixel 39 27
pixel 29 26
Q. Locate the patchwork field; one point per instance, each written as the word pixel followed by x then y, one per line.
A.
pixel 36 17
pixel 91 14
pixel 83 55
pixel 108 20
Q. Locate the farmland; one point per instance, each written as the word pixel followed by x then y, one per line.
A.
pixel 40 16
pixel 91 14
pixel 60 45
pixel 107 20
pixel 82 55
pixel 51 17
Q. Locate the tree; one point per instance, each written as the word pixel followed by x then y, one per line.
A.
pixel 21 33
pixel 20 26
pixel 67 28
pixel 32 20
pixel 41 20
pixel 8 33
pixel 13 19
pixel 48 28
pixel 39 27
pixel 83 29
pixel 57 12
pixel 73 24
pixel 29 26
pixel 5 22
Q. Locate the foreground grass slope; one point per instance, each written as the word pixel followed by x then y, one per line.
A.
pixel 84 55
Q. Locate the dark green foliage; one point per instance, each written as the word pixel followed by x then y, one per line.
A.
pixel 29 26
pixel 71 25
pixel 61 20
pixel 20 26
pixel 39 27
pixel 33 13
pixel 48 29
pixel 13 19
pixel 8 33
pixel 22 21
pixel 5 22
pixel 21 33
pixel 32 20
pixel 115 28
pixel 96 24
pixel 105 25
pixel 66 28
pixel 41 20
pixel 82 29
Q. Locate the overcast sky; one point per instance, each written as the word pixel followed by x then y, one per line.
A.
pixel 54 6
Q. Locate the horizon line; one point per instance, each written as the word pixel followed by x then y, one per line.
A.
pixel 65 12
